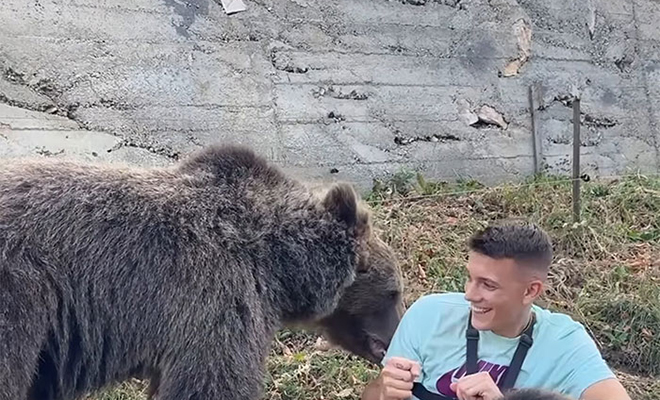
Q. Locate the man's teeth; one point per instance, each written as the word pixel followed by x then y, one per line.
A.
pixel 480 310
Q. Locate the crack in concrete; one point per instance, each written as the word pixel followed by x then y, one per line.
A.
pixel 44 87
pixel 112 104
pixel 294 70
pixel 14 77
pixel 481 124
pixel 397 48
pixel 624 63
pixel 161 151
pixel 585 142
pixel 448 3
pixel 594 122
pixel 565 99
pixel 336 117
pixel 25 105
pixel 42 151
pixel 585 118
pixel 192 139
pixel 158 150
pixel 282 62
pixel 338 94
pixel 403 141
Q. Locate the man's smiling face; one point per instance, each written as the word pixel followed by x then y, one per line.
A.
pixel 500 292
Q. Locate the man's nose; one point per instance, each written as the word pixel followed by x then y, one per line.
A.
pixel 471 294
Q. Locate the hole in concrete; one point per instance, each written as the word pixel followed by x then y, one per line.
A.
pixel 295 70
pixel 336 116
pixel 450 3
pixel 403 141
pixel 14 77
pixel 603 122
pixel 338 94
pixel 484 125
pixel 623 64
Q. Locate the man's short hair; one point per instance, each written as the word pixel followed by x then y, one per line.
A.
pixel 522 241
pixel 533 394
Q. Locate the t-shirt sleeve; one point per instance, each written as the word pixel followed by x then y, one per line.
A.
pixel 584 364
pixel 408 337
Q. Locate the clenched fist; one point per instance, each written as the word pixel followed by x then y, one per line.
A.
pixel 479 386
pixel 397 379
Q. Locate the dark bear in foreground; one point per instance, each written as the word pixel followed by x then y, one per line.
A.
pixel 180 275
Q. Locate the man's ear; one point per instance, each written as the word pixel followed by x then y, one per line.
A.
pixel 341 201
pixel 534 290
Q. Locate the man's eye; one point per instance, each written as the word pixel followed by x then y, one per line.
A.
pixel 490 286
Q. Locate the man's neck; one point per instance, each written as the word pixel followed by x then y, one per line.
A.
pixel 517 328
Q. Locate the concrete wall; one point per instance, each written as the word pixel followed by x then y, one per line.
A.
pixel 341 89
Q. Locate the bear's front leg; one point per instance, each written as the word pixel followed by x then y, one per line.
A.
pixel 23 331
pixel 235 379
pixel 228 366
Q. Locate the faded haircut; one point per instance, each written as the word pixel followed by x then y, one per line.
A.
pixel 522 241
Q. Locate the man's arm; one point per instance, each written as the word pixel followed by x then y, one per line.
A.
pixel 372 391
pixel 608 389
pixel 589 376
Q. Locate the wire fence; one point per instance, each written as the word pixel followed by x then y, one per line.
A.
pixel 549 182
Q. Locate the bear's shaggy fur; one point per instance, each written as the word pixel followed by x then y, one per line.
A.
pixel 181 275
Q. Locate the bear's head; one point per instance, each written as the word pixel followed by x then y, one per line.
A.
pixel 371 308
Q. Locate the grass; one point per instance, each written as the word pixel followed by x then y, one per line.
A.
pixel 606 273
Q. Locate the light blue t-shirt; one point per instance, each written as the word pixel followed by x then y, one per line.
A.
pixel 563 357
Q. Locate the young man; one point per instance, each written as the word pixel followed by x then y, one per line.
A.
pixel 507 270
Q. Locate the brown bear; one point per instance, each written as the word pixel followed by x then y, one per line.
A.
pixel 180 275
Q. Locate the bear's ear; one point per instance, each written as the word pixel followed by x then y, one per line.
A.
pixel 341 201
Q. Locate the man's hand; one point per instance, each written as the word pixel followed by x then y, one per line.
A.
pixel 479 386
pixel 397 379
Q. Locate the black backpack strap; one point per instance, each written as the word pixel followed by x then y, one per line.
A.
pixel 472 336
pixel 422 393
pixel 525 343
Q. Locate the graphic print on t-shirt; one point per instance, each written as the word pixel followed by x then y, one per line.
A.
pixel 443 383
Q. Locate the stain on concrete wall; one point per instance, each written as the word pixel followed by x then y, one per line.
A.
pixel 341 89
